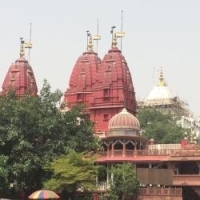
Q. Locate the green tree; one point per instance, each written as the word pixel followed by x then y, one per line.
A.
pixel 161 127
pixel 124 183
pixel 33 132
pixel 4 184
pixel 72 172
pixel 78 131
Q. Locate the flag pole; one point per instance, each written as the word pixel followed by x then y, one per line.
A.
pixel 30 34
pixel 121 27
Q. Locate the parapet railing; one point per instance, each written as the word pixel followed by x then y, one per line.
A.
pixel 160 191
pixel 153 152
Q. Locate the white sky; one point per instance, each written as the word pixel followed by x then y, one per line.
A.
pixel 159 33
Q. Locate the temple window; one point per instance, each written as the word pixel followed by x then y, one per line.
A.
pixel 105 117
pixel 106 92
pixel 79 97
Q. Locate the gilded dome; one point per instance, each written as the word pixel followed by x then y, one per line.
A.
pixel 123 123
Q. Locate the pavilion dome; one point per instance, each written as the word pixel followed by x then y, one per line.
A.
pixel 123 124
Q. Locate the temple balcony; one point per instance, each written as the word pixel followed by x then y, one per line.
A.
pixel 178 180
pixel 186 180
pixel 153 152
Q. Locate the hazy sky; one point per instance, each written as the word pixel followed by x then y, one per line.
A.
pixel 159 33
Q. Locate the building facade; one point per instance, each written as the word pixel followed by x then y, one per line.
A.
pixel 105 87
pixel 162 99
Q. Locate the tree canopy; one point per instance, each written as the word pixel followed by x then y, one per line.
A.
pixel 72 172
pixel 33 132
pixel 124 183
pixel 160 127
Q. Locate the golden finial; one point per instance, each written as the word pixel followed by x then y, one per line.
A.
pixel 23 46
pixel 115 36
pixel 114 41
pixel 90 44
pixel 161 81
pixel 112 32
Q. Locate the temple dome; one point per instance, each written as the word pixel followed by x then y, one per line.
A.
pixel 20 79
pixel 123 123
pixel 160 94
pixel 83 76
pixel 114 75
pixel 84 72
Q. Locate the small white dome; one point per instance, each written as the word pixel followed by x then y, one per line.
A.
pixel 160 92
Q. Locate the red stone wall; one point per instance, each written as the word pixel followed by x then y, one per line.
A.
pixel 20 79
pixel 106 87
pixel 155 193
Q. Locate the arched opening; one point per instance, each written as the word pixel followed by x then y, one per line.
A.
pixel 118 145
pixel 130 145
pixel 105 147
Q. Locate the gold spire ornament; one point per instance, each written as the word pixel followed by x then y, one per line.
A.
pixel 115 36
pixel 90 41
pixel 90 44
pixel 114 41
pixel 23 46
pixel 161 81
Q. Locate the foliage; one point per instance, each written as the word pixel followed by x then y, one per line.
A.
pixel 33 132
pixel 161 127
pixel 72 172
pixel 124 182
pixel 78 131
pixel 3 173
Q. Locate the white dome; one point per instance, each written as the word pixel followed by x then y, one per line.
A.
pixel 160 92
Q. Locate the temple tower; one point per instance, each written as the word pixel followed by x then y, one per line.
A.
pixel 20 78
pixel 105 87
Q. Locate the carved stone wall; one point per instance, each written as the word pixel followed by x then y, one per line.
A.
pixel 152 193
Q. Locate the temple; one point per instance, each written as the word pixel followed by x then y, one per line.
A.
pixel 103 86
pixel 162 99
pixel 20 78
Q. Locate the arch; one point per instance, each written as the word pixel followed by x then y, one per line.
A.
pixel 118 145
pixel 105 146
pixel 130 145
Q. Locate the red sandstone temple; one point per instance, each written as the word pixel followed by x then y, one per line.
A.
pixel 165 171
pixel 20 77
pixel 104 86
